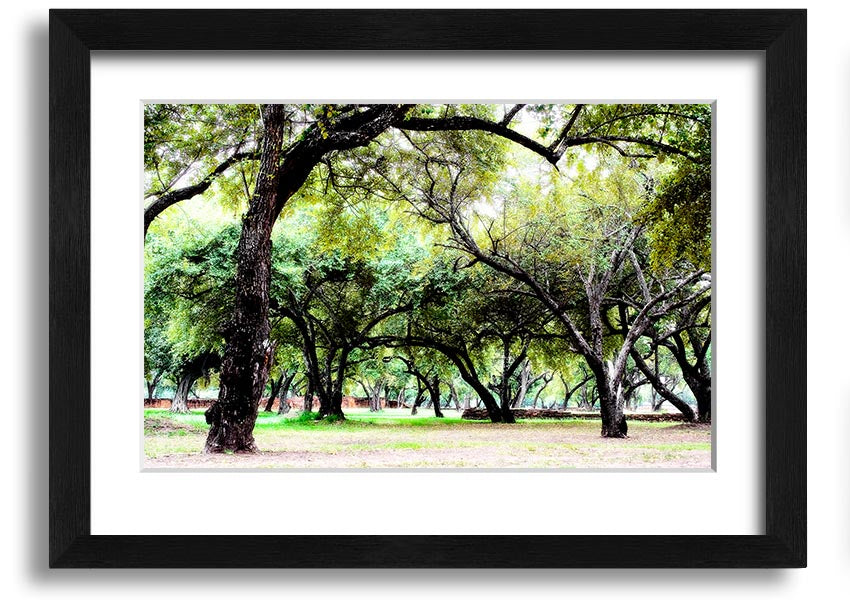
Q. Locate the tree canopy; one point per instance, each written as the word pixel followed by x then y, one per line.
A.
pixel 488 248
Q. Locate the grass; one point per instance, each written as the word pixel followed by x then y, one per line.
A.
pixel 394 438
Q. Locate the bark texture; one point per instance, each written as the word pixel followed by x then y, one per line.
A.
pixel 247 355
pixel 181 396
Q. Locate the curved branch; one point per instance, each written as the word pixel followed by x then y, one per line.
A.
pixel 173 197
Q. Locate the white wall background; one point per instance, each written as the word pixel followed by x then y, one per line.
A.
pixel 23 533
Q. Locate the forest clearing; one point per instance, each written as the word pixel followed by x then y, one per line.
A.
pixel 394 439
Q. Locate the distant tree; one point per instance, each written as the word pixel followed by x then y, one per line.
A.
pixel 338 299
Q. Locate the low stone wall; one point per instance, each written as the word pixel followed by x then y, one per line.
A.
pixel 166 403
pixel 296 402
pixel 480 414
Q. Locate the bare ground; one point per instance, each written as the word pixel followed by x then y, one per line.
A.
pixel 530 444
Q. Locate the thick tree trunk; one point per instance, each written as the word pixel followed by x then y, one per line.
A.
pixel 335 408
pixel 247 354
pixel 507 415
pixel 493 411
pixel 613 418
pixel 330 396
pixel 180 402
pixel 505 398
pixel 702 393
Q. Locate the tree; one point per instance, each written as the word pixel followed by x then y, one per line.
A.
pixel 190 371
pixel 446 322
pixel 247 354
pixel 511 320
pixel 430 370
pixel 285 368
pixel 518 249
pixel 190 147
pixel 158 360
pixel 686 335
pixel 339 298
pixel 186 303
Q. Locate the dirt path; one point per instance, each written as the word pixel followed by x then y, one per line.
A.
pixel 550 445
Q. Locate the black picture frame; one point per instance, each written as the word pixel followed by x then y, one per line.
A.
pixel 781 34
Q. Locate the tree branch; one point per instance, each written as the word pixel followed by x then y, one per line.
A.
pixel 170 198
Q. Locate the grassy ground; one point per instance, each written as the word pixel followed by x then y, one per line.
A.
pixel 392 438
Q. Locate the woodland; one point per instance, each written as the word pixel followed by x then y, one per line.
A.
pixel 489 262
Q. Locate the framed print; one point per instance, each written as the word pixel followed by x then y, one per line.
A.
pixel 96 266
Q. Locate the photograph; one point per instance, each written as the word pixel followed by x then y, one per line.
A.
pixel 407 286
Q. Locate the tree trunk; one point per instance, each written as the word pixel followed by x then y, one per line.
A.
pixel 505 399
pixel 308 395
pixel 330 396
pixel 613 418
pixel 493 411
pixel 654 400
pixel 702 393
pixel 283 406
pixel 663 390
pixel 568 392
pixel 152 385
pixel 180 402
pixel 507 416
pixel 375 396
pixel 275 389
pixel 335 409
pixel 247 354
pixel 434 390
pixel 583 403
pixel 453 396
pixel 420 397
pixel 524 384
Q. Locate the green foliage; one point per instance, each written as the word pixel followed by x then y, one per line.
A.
pixel 188 293
pixel 306 416
pixel 184 142
pixel 369 232
pixel 680 217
